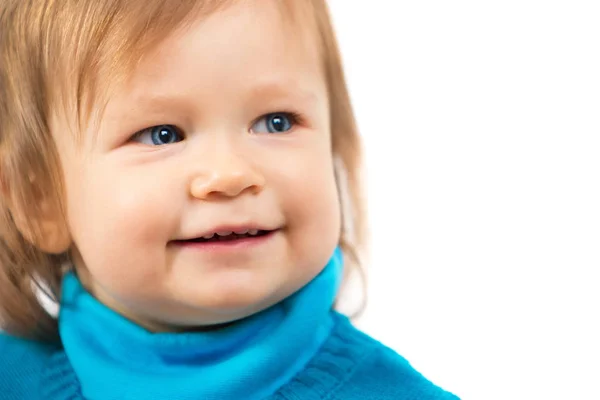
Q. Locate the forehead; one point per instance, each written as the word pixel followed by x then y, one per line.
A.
pixel 248 46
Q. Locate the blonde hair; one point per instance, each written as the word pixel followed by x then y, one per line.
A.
pixel 54 53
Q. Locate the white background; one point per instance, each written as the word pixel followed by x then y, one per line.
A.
pixel 481 123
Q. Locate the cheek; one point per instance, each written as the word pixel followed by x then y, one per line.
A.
pixel 120 221
pixel 312 204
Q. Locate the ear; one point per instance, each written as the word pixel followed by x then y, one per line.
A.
pixel 42 224
pixel 51 236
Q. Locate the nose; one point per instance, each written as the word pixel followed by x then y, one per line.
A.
pixel 226 174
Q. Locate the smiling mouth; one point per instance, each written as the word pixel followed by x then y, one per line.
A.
pixel 228 237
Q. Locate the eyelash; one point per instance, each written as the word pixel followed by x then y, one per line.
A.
pixel 295 118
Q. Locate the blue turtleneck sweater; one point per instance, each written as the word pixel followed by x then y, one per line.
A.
pixel 298 349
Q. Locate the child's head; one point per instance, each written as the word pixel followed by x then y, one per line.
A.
pixel 130 130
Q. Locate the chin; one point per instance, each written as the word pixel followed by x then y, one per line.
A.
pixel 223 314
pixel 237 299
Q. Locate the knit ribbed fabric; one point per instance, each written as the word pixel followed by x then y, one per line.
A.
pixel 349 366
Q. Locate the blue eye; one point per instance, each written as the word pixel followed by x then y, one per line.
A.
pixel 158 135
pixel 275 123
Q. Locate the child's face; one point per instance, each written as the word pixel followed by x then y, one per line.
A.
pixel 218 161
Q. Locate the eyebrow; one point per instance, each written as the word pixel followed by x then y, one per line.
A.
pixel 267 88
pixel 164 102
pixel 282 88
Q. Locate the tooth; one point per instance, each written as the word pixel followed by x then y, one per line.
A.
pixel 209 236
pixel 242 232
pixel 224 233
pixel 253 231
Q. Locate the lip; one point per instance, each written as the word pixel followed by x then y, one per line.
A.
pixel 246 243
pixel 229 228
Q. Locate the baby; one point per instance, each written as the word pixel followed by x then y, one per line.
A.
pixel 173 173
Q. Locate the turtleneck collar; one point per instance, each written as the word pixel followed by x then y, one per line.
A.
pixel 114 358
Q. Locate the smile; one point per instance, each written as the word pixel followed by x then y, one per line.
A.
pixel 229 236
pixel 226 241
